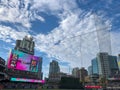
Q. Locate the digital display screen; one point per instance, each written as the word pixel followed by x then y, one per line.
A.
pixel 91 87
pixel 114 78
pixel 22 61
pixel 27 80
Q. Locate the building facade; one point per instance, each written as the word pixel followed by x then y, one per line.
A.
pixel 54 67
pixel 90 70
pixel 2 68
pixel 95 69
pixel 113 65
pixel 83 73
pixel 26 45
pixel 40 74
pixel 54 74
pixel 75 72
pixel 103 64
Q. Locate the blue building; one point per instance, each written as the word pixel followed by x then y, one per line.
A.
pixel 90 70
pixel 113 65
pixel 95 69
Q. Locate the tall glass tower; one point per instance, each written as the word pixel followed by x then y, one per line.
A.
pixel 95 69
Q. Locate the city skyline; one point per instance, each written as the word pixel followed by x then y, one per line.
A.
pixel 61 29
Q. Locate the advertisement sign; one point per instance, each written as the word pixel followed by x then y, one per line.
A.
pixel 22 61
pixel 27 80
pixel 93 87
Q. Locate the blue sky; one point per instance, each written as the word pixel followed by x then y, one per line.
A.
pixel 69 31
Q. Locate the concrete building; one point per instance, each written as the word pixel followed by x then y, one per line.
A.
pixel 83 73
pixel 26 45
pixel 113 65
pixel 54 67
pixel 75 72
pixel 107 64
pixel 2 68
pixel 103 64
pixel 54 71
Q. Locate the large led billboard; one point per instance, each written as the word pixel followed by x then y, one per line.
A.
pixel 22 61
pixel 27 80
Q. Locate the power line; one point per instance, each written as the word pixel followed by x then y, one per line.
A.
pixel 101 29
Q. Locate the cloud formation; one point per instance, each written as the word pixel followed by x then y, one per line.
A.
pixel 78 38
pixel 8 34
pixel 74 39
pixel 17 11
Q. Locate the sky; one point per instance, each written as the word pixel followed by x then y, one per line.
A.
pixel 69 31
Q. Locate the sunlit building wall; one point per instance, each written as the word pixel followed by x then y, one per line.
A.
pixel 75 72
pixel 54 67
pixel 26 45
pixel 103 64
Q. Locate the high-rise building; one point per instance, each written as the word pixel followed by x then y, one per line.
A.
pixel 119 61
pixel 75 72
pixel 2 68
pixel 83 73
pixel 90 70
pixel 26 45
pixel 54 73
pixel 54 67
pixel 103 64
pixel 113 65
pixel 95 66
pixel 40 74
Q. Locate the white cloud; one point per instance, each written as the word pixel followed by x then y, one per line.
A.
pixel 16 11
pixel 80 49
pixel 65 69
pixel 25 11
pixel 8 34
pixel 45 69
pixel 10 13
pixel 115 42
pixel 53 5
pixel 76 40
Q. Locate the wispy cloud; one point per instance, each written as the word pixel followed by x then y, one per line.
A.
pixel 9 34
pixel 16 11
pixel 73 44
pixel 76 40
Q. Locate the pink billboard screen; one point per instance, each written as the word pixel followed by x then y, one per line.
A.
pixel 27 80
pixel 22 61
